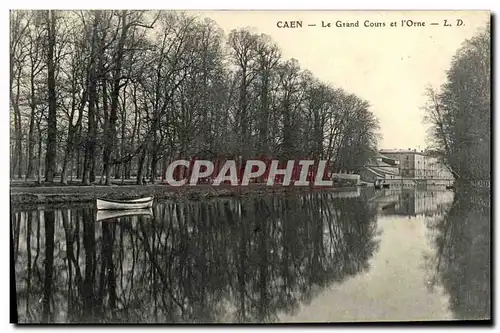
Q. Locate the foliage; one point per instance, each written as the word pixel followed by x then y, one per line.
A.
pixel 133 90
pixel 460 113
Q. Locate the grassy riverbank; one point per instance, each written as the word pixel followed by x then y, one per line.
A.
pixel 21 195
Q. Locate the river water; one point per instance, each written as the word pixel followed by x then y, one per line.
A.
pixel 397 255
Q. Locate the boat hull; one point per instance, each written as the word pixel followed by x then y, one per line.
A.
pixel 106 204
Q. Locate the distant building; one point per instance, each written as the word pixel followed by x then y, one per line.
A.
pixel 411 162
pixel 418 164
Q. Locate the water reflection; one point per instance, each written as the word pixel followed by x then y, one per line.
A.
pixel 395 288
pixel 459 229
pixel 461 260
pixel 376 255
pixel 243 260
pixel 412 203
pixel 103 215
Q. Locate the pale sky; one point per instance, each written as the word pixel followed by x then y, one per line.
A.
pixel 388 66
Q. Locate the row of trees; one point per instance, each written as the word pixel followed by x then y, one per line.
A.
pixel 460 117
pixel 122 93
pixel 460 111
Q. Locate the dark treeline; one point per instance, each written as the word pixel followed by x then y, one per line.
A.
pixel 246 260
pixel 119 94
pixel 463 254
pixel 460 111
pixel 460 117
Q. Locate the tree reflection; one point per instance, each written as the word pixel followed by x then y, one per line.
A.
pixel 242 260
pixel 462 261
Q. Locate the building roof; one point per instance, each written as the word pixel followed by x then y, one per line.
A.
pixel 402 151
pixel 383 157
pixel 381 167
pixel 377 163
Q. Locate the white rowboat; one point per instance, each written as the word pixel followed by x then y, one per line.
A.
pixel 125 204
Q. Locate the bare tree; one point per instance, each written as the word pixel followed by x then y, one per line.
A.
pixel 140 88
pixel 460 113
pixel 51 154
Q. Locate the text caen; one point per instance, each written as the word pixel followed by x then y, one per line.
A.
pixel 289 24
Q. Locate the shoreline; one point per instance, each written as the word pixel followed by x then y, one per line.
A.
pixel 74 194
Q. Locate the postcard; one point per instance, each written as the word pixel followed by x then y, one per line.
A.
pixel 250 166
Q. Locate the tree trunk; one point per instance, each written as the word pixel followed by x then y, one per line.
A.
pixel 18 149
pixel 243 114
pixel 50 157
pixel 164 166
pixel 39 154
pixel 78 157
pixel 140 165
pixel 111 132
pixel 89 158
pixel 72 131
pixel 31 132
pixel 120 169
pixel 105 117
pixel 264 114
pixel 68 154
pixel 154 163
